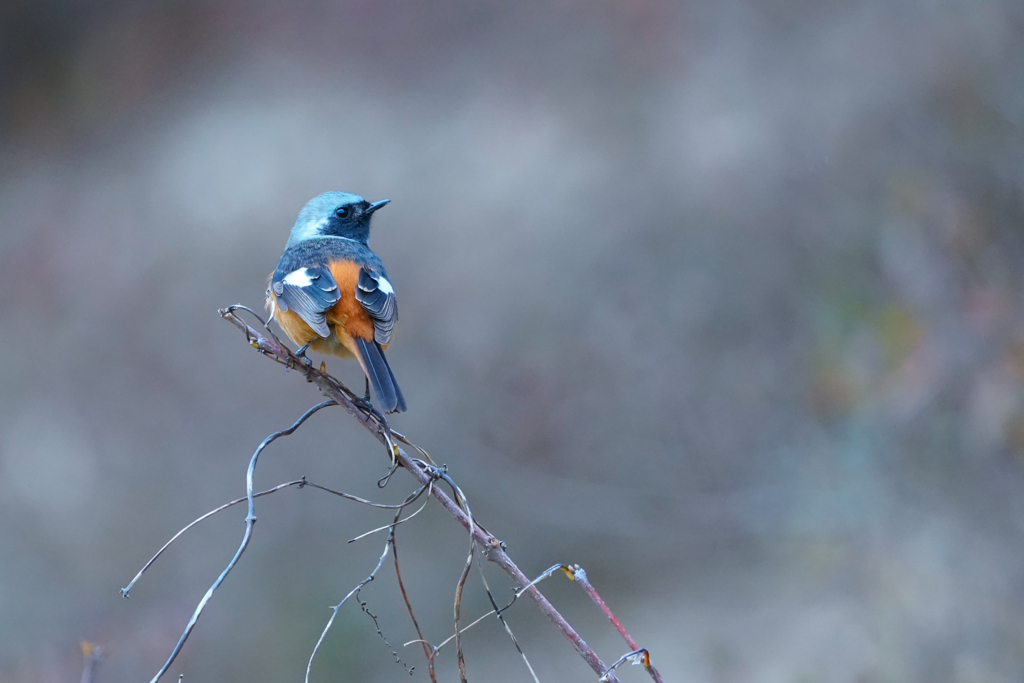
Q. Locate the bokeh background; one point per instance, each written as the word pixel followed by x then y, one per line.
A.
pixel 720 300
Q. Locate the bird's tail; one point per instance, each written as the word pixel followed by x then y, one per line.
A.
pixel 376 367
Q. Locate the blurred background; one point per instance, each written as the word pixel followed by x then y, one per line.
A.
pixel 720 300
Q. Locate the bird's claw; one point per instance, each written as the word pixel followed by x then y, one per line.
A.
pixel 364 405
pixel 301 354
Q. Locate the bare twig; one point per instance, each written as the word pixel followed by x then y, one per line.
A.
pixel 636 657
pixel 349 496
pixel 355 591
pixel 300 483
pixel 458 609
pixel 397 521
pixel 508 629
pixel 335 608
pixel 576 573
pixel 408 605
pixel 366 609
pixel 491 547
pixel 548 572
pixel 376 625
pixel 460 498
pixel 225 506
pixel 250 521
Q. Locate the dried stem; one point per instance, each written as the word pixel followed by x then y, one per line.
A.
pixel 408 605
pixel 636 657
pixel 272 347
pixel 355 591
pixel 299 483
pixel 548 572
pixel 576 573
pixel 225 506
pixel 250 521
pixel 508 629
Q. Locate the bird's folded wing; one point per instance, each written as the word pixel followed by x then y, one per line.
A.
pixel 309 292
pixel 377 297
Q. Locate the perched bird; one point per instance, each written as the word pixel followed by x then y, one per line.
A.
pixel 330 293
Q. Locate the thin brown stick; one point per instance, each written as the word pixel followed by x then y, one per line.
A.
pixel 362 603
pixel 355 591
pixel 491 547
pixel 460 498
pixel 458 612
pixel 408 606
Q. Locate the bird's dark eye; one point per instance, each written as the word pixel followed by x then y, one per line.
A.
pixel 341 211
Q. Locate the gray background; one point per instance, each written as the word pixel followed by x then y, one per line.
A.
pixel 721 300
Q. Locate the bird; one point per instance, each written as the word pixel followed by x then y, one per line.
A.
pixel 330 292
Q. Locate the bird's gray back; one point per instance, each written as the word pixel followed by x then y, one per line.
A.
pixel 320 251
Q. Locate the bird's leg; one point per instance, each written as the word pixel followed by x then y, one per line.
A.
pixel 364 401
pixel 301 353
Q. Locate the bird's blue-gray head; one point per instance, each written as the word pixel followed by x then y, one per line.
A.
pixel 334 214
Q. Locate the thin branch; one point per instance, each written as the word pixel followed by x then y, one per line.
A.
pixel 397 521
pixel 408 605
pixel 545 574
pixel 349 496
pixel 300 483
pixel 362 604
pixel 548 572
pixel 442 473
pixel 492 548
pixel 211 513
pixel 335 608
pixel 576 573
pixel 508 629
pixel 376 625
pixel 355 591
pixel 250 521
pixel 635 657
pixel 458 608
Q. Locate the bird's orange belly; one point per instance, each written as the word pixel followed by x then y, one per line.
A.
pixel 337 344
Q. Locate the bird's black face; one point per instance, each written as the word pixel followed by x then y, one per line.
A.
pixel 352 220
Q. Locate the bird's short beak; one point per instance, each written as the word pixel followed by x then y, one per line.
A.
pixel 376 205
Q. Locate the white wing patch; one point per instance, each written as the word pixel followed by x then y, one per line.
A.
pixel 384 285
pixel 298 278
